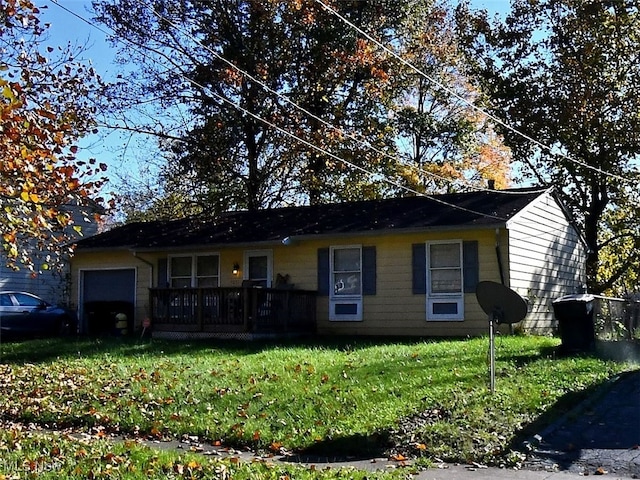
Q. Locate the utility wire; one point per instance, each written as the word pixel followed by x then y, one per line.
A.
pixel 360 140
pixel 279 129
pixel 459 97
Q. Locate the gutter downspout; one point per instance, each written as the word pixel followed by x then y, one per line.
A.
pixel 151 266
pixel 499 256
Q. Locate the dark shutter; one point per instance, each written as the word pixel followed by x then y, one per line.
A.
pixel 419 268
pixel 323 272
pixel 368 270
pixel 470 265
pixel 162 274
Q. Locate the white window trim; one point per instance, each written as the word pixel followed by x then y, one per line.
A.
pixel 337 300
pixel 194 265
pixel 434 299
pixel 258 253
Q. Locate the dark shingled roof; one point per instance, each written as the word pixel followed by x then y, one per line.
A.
pixel 474 209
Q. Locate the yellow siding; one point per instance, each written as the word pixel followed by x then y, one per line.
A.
pixel 394 310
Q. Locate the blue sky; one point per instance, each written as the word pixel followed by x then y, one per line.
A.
pixel 68 28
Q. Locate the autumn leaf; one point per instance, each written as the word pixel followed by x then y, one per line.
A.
pixel 398 457
pixel 37 120
pixel 275 446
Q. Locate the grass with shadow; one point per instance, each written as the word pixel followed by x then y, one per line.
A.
pixel 422 398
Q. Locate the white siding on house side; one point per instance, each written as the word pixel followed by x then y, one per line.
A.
pixel 546 259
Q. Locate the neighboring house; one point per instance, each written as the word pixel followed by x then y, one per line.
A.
pixel 51 285
pixel 402 266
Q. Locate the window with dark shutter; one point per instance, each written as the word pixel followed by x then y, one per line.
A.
pixel 444 271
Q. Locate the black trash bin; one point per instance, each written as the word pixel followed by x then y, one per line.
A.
pixel 575 322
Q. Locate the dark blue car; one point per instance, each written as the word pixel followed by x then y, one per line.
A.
pixel 23 313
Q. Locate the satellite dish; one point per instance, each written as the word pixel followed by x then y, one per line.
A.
pixel 502 303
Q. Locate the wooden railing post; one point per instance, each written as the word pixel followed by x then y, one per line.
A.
pixel 246 309
pixel 199 309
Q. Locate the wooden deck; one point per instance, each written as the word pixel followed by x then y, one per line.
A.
pixel 233 310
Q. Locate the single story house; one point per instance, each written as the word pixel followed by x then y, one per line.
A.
pixel 398 266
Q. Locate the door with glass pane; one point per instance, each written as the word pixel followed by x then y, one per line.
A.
pixel 258 267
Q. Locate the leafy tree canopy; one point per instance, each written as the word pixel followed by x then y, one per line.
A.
pixel 265 103
pixel 44 109
pixel 565 74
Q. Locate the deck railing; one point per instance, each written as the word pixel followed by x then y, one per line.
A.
pixel 233 310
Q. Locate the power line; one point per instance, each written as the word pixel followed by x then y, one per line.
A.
pixel 361 140
pixel 281 130
pixel 286 99
pixel 459 97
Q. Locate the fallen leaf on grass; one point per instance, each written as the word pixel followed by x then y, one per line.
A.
pixel 275 447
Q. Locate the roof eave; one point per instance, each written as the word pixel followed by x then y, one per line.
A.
pixel 309 237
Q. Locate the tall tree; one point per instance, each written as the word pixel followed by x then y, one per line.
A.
pixel 444 143
pixel 45 107
pixel 565 73
pixel 231 69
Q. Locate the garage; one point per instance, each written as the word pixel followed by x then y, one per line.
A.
pixel 108 300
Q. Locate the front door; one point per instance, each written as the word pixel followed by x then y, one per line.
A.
pixel 258 267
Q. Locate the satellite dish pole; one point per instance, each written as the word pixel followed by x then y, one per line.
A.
pixel 492 354
pixel 502 305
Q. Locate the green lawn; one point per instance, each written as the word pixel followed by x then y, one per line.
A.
pixel 421 398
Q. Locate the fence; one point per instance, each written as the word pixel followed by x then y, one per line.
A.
pixel 616 318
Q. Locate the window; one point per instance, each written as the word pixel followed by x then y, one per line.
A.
pixel 194 271
pixel 445 299
pixel 346 271
pixel 5 300
pixel 346 280
pixel 27 300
